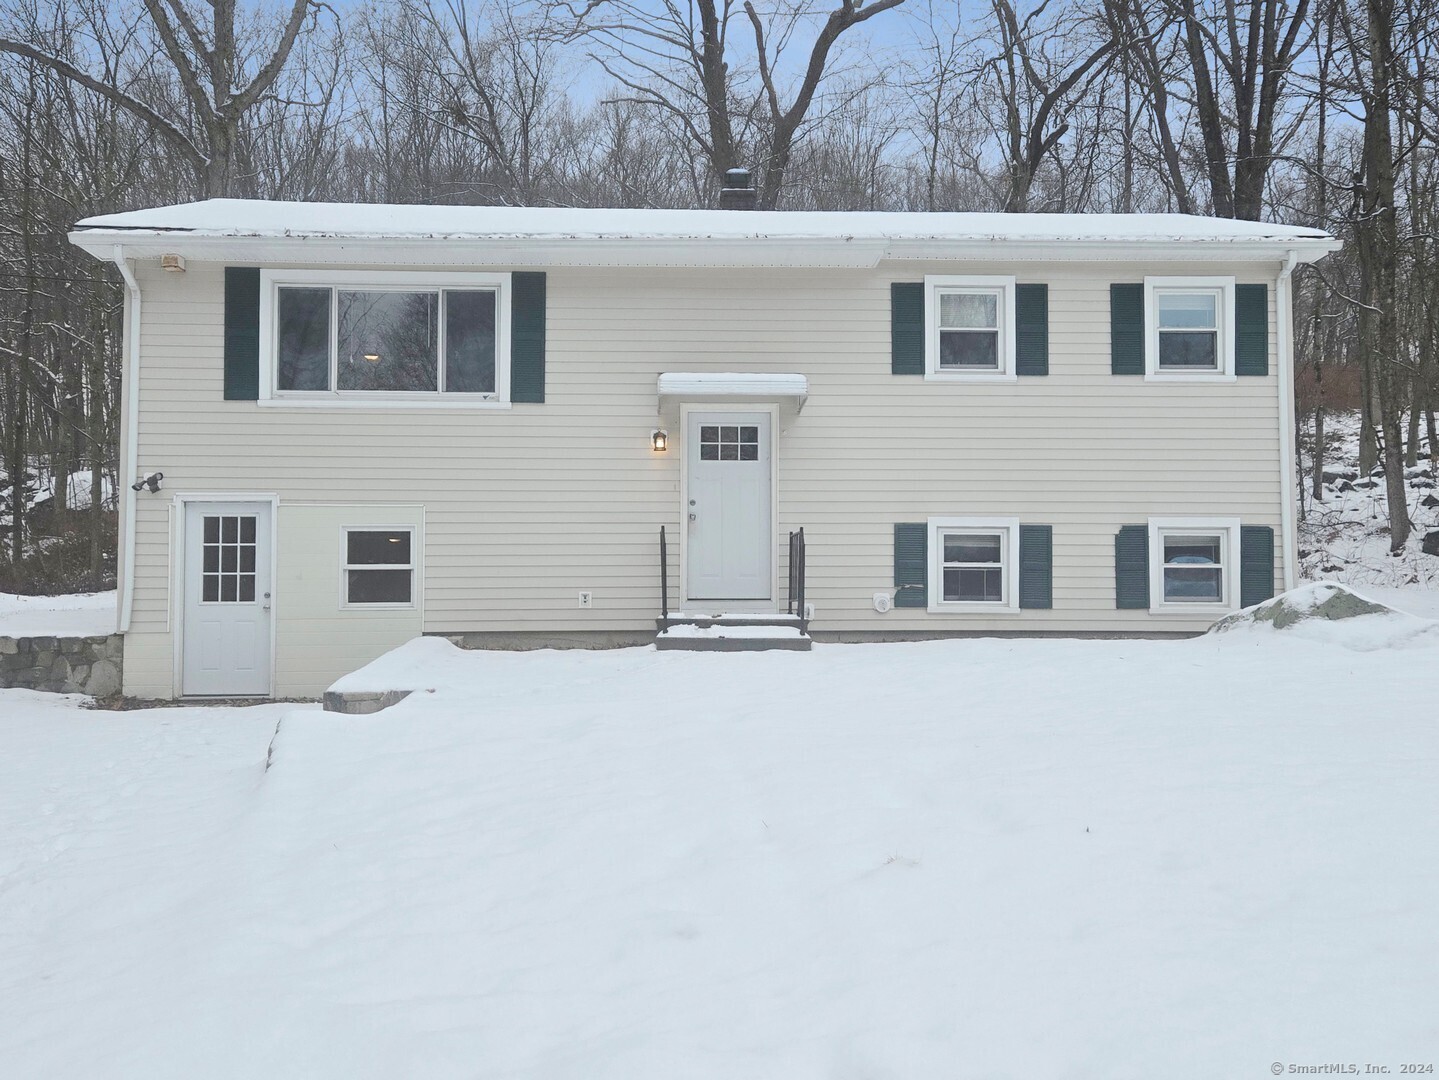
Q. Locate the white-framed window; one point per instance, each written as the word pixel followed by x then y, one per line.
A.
pixel 377 566
pixel 974 565
pixel 969 328
pixel 1193 565
pixel 372 337
pixel 1189 328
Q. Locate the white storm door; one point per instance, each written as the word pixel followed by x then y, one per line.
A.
pixel 226 649
pixel 728 494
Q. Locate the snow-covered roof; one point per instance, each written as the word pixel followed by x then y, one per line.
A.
pixel 759 237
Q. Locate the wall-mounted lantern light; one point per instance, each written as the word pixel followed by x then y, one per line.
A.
pixel 659 440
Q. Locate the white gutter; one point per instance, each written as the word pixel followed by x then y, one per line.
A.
pixel 741 252
pixel 130 451
pixel 1288 466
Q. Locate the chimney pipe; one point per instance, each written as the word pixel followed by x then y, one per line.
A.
pixel 738 192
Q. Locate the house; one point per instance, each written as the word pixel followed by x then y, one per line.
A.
pixel 364 423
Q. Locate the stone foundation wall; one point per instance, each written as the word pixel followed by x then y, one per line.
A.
pixel 62 665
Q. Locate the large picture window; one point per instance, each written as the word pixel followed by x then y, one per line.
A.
pixel 346 335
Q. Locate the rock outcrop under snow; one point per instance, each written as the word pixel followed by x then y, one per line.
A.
pixel 1333 613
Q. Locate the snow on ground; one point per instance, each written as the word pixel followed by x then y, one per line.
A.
pixel 72 615
pixel 1345 537
pixel 983 858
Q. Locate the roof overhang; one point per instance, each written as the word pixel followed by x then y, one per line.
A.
pixel 820 252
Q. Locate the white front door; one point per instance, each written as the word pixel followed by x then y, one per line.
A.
pixel 226 648
pixel 728 494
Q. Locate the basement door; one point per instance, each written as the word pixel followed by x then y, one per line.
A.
pixel 226 646
pixel 728 492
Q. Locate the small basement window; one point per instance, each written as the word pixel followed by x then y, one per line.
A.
pixel 379 568
pixel 973 564
pixel 970 323
pixel 361 335
pixel 1192 564
pixel 1189 328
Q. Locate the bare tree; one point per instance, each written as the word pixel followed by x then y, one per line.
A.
pixel 678 59
pixel 221 78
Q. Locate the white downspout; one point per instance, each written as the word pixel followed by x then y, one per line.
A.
pixel 130 451
pixel 1288 467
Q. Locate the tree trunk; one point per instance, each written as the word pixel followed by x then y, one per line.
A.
pixel 1368 437
pixel 1411 445
pixel 1433 438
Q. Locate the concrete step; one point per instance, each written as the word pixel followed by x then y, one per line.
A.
pixel 712 636
pixel 777 619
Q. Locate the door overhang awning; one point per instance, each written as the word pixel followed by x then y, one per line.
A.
pixel 786 388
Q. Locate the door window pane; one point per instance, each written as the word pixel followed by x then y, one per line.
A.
pixel 227 559
pixel 303 341
pixel 739 442
pixel 470 342
pixel 388 341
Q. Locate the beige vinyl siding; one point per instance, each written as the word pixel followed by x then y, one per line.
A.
pixel 525 507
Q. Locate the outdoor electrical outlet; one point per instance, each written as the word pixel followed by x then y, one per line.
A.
pixel 585 599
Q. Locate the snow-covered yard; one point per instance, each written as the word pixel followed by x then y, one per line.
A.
pixel 71 615
pixel 949 859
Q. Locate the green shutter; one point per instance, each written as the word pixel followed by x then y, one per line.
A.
pixel 527 336
pixel 1251 329
pixel 1126 329
pixel 1036 566
pixel 1031 329
pixel 1256 564
pixel 1131 567
pixel 242 333
pixel 906 328
pixel 911 564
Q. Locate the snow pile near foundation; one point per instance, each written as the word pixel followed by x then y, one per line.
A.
pixel 423 663
pixel 1328 612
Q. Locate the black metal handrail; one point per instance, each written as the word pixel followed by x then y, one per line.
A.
pixel 796 577
pixel 664 577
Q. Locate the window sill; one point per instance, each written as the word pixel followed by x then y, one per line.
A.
pixel 971 376
pixel 1193 609
pixel 1187 377
pixel 958 607
pixel 384 404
